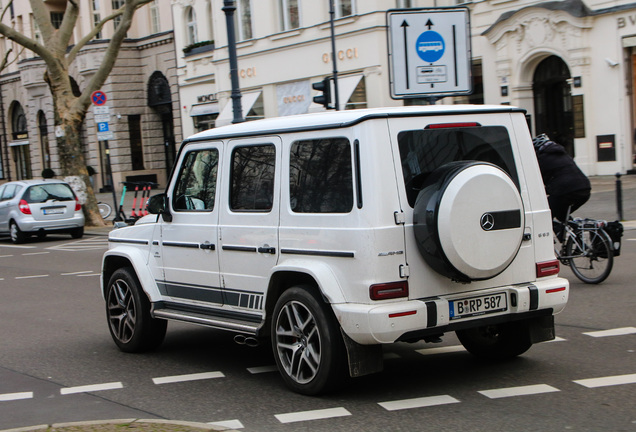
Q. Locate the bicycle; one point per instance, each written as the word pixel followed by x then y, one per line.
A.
pixel 104 209
pixel 587 248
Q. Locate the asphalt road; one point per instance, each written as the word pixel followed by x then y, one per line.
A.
pixel 59 364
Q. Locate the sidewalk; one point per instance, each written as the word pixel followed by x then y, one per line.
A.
pixel 602 203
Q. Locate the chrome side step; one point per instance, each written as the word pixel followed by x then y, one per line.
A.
pixel 208 321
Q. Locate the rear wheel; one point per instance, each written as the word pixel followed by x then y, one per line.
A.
pixel 17 236
pixel 77 233
pixel 497 342
pixel 307 342
pixel 128 312
pixel 591 256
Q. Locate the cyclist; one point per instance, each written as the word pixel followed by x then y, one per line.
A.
pixel 565 184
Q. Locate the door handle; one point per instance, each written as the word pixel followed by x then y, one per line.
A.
pixel 207 246
pixel 267 249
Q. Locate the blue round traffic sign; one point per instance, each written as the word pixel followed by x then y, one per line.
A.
pixel 430 46
pixel 98 97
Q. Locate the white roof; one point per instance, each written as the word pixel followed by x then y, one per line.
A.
pixel 338 118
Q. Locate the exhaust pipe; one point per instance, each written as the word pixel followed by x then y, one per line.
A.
pixel 246 340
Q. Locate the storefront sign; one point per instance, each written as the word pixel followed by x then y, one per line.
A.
pixel 207 98
pixel 349 53
pixel 293 98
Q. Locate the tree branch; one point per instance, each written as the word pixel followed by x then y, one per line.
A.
pixel 64 33
pixel 87 38
pixel 42 17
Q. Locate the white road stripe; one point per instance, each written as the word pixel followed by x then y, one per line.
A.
pixel 230 424
pixel 418 402
pixel 441 350
pixel 31 277
pixel 608 381
pixel 77 273
pixel 312 415
pixel 6 256
pixel 15 396
pixel 262 369
pixel 518 391
pixel 91 388
pixel 17 246
pixel 556 339
pixel 188 377
pixel 35 253
pixel 612 332
pixel 88 275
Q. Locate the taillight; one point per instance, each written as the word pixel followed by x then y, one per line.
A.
pixel 78 206
pixel 391 290
pixel 24 207
pixel 548 268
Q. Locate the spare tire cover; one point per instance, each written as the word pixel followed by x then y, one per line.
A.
pixel 469 220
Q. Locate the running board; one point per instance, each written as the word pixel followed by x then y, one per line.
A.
pixel 205 320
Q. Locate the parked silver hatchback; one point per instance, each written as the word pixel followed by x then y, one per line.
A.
pixel 38 207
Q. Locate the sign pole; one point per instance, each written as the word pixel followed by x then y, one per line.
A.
pixel 334 56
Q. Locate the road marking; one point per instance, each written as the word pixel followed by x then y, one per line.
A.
pixel 441 350
pixel 420 402
pixel 91 388
pixel 15 396
pixel 82 245
pixel 77 273
pixel 18 246
pixel 312 415
pixel 608 381
pixel 612 332
pixel 89 275
pixel 31 277
pixel 262 369
pixel 35 253
pixel 556 339
pixel 188 377
pixel 230 424
pixel 6 256
pixel 518 391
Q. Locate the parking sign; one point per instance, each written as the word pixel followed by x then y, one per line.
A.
pixel 429 52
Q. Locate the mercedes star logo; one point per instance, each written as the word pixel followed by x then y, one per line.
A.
pixel 487 222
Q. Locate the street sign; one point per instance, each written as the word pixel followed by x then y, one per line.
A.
pixel 429 52
pixel 102 127
pixel 98 97
pixel 100 110
pixel 105 136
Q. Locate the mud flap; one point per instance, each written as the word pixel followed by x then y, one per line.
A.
pixel 362 359
pixel 541 329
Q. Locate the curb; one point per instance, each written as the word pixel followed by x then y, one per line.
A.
pixel 114 425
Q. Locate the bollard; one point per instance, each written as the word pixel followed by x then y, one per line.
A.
pixel 619 196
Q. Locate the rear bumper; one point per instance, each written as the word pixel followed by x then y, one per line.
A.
pixel 31 225
pixel 416 319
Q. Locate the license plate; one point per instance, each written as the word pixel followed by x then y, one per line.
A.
pixel 51 211
pixel 473 306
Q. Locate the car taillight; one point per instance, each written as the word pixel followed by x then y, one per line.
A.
pixel 78 206
pixel 548 268
pixel 24 207
pixel 389 290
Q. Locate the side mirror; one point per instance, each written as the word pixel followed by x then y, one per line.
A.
pixel 158 204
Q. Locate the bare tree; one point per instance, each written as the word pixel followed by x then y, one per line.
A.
pixel 70 109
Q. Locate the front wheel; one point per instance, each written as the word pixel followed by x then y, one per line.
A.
pixel 590 256
pixel 497 342
pixel 17 235
pixel 307 342
pixel 128 312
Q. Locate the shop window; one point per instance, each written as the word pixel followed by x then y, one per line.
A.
pixel 358 98
pixel 204 122
pixel 44 140
pixel 257 111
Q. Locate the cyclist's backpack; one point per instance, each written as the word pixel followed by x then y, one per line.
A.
pixel 615 231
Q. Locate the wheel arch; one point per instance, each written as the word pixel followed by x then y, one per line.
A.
pixel 117 258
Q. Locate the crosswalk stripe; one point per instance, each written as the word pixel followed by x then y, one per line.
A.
pixel 187 377
pixel 612 332
pixel 607 381
pixel 312 415
pixel 420 402
pixel 518 391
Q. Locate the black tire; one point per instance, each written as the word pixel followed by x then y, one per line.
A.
pixel 591 255
pixel 307 342
pixel 496 342
pixel 41 235
pixel 17 235
pixel 77 233
pixel 128 313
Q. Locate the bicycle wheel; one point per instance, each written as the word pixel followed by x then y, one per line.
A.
pixel 104 209
pixel 591 256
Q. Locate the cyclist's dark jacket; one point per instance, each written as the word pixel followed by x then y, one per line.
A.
pixel 560 174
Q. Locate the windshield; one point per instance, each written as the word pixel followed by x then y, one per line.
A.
pixel 49 192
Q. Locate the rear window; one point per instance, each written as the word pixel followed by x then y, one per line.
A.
pixel 424 150
pixel 48 192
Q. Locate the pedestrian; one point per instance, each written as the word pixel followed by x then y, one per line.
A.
pixel 565 184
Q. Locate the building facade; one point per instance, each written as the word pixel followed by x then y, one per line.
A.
pixel 568 63
pixel 141 91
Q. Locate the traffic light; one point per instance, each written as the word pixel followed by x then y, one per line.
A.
pixel 324 86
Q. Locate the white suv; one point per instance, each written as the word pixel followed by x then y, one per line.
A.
pixel 332 234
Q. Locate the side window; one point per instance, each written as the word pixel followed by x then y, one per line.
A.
pixel 422 151
pixel 321 178
pixel 196 186
pixel 9 192
pixel 253 169
pixel 1 192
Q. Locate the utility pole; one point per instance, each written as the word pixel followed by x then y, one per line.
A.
pixel 229 8
pixel 334 56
